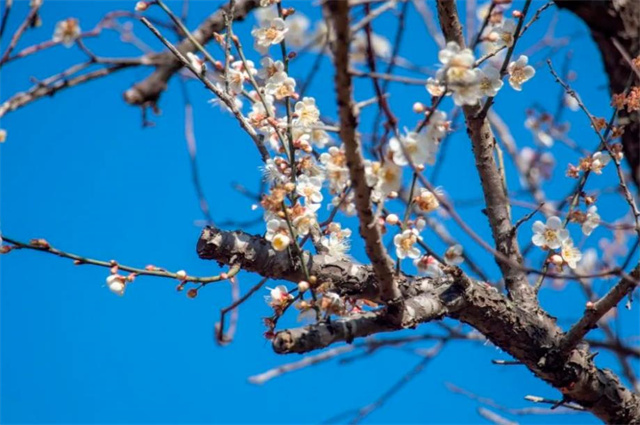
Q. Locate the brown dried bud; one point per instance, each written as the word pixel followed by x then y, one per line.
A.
pixel 192 293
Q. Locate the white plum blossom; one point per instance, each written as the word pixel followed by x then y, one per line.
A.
pixel 438 126
pixel 540 135
pixel 196 62
pixel 278 234
pixel 520 72
pixel 280 86
pixel 489 81
pixel 570 254
pixel 270 32
pixel 428 265
pixel 278 296
pixel 269 68
pixel 380 45
pixel 551 234
pixel 591 221
pixel 116 284
pixel 405 244
pixel 310 188
pixel 382 178
pixel 337 243
pixel 435 87
pixel 588 263
pixel 426 201
pixel 305 220
pixel 599 160
pixel 453 255
pixel 467 93
pixel 458 63
pixel 538 165
pixel 66 32
pixel 504 33
pixel 297 25
pixel 421 149
pixel 335 163
pixel 306 112
pixel 571 102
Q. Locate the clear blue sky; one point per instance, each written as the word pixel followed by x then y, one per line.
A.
pixel 80 171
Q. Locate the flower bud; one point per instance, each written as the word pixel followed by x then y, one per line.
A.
pixel 392 219
pixel 141 6
pixel 181 275
pixel 303 286
pixel 418 107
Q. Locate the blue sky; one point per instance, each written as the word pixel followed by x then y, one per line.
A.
pixel 80 171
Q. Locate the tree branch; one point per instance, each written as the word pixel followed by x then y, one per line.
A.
pixel 148 91
pixel 495 194
pixel 338 11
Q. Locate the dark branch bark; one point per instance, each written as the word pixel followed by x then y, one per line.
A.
pixel 608 21
pixel 338 11
pixel 528 336
pixel 497 201
pixel 148 91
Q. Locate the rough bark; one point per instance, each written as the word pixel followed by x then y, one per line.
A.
pixel 497 203
pixel 148 91
pixel 338 11
pixel 528 336
pixel 618 20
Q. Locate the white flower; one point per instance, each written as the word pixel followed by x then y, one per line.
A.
pixel 269 33
pixel 66 32
pixel 335 244
pixel 435 87
pixel 505 33
pixel 304 221
pixel 592 221
pixel 541 137
pixel 276 226
pixel 489 81
pixel 267 3
pixel 458 64
pixel 426 201
pixel 269 68
pixel 380 45
pixel 570 254
pixel 551 234
pixel 429 265
pixel 405 242
pixel 438 126
pixel 280 242
pixel 519 72
pixel 467 93
pixel 319 137
pixel 236 80
pixel 116 284
pixel 280 86
pixel 310 188
pixel 383 179
pixel 588 263
pixel 278 296
pixel 571 102
pixel 599 160
pixel 307 113
pixel 298 25
pixel 421 149
pixel 335 163
pixel 453 255
pixel 197 63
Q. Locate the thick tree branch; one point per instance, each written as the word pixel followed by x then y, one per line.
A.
pixel 338 11
pixel 611 22
pixel 148 91
pixel 495 194
pixel 601 307
pixel 530 337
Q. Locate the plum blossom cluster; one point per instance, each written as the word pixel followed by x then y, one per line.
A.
pixel 468 84
pixel 554 236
